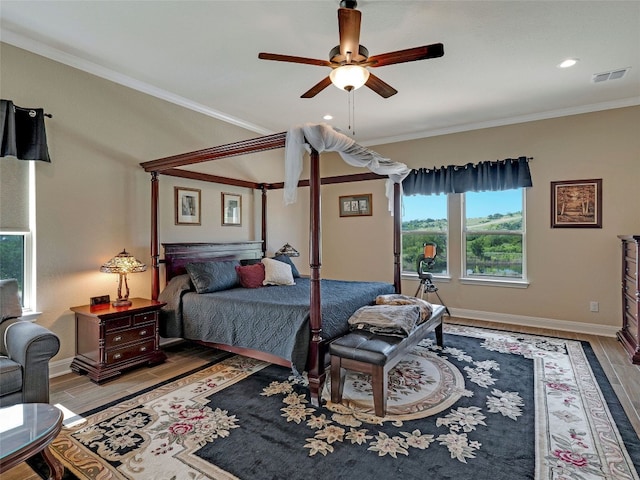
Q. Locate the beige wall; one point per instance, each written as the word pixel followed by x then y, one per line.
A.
pixel 94 199
pixel 567 268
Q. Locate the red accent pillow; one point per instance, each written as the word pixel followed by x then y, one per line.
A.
pixel 251 276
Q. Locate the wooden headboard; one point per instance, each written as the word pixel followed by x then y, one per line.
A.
pixel 177 255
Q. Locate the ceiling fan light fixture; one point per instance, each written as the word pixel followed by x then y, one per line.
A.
pixel 349 77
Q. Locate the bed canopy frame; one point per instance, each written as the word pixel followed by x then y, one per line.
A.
pixel 168 166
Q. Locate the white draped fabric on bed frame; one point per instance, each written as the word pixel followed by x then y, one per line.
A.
pixel 314 138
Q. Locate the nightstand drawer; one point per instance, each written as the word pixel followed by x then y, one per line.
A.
pixel 117 323
pixel 111 339
pixel 132 351
pixel 145 317
pixel 116 339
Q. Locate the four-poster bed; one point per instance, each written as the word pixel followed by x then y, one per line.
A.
pixel 314 139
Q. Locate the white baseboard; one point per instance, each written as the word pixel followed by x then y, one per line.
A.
pixel 62 367
pixel 537 322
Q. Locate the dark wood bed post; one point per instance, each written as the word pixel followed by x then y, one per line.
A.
pixel 155 266
pixel 263 187
pixel 315 373
pixel 397 238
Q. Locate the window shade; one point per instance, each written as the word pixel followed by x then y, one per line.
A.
pixel 14 195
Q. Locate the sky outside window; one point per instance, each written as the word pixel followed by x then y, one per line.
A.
pixel 479 204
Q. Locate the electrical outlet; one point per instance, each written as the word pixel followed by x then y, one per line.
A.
pixel 594 306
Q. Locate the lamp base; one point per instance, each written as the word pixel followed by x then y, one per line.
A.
pixel 122 302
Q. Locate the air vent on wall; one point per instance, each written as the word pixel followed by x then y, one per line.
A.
pixel 612 75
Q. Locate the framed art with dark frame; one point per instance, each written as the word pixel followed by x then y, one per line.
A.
pixel 231 209
pixel 356 205
pixel 576 204
pixel 187 202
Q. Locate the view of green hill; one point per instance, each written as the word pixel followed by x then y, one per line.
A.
pixel 496 221
pixel 488 254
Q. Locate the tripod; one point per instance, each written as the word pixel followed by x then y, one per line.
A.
pixel 426 281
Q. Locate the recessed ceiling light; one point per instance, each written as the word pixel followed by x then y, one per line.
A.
pixel 328 117
pixel 569 62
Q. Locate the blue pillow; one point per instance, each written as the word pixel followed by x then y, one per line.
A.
pixel 287 260
pixel 210 277
pixel 249 261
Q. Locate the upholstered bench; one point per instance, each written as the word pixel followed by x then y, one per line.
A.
pixel 376 354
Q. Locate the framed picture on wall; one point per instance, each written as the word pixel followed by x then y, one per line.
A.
pixel 355 205
pixel 187 202
pixel 231 209
pixel 576 204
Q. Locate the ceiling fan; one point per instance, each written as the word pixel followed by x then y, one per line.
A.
pixel 349 59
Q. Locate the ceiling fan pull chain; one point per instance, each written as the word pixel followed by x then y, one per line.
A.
pixel 353 113
pixel 349 110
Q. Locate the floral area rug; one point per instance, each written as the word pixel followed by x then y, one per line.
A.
pixel 490 405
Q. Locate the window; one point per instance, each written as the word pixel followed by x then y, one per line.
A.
pixel 13 258
pixel 424 219
pixel 17 227
pixel 493 234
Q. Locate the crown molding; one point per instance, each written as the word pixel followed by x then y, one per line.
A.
pixel 565 112
pixel 47 51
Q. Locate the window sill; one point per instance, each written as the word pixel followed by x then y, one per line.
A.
pixel 435 279
pixel 491 282
pixel 494 282
pixel 30 315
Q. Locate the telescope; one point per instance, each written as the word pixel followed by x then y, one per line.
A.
pixel 427 260
pixel 424 262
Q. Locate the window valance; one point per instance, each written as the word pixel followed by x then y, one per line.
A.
pixel 484 176
pixel 22 132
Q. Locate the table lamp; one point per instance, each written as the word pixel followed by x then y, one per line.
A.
pixel 122 264
pixel 287 250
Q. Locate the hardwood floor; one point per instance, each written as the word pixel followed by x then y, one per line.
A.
pixel 78 394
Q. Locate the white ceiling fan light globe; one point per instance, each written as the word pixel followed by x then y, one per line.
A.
pixel 349 77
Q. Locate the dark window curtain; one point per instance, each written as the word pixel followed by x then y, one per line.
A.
pixel 485 176
pixel 23 132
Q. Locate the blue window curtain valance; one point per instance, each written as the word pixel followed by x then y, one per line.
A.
pixel 484 176
pixel 23 132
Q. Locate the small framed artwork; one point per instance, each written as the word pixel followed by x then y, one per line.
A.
pixel 355 205
pixel 576 204
pixel 187 206
pixel 231 209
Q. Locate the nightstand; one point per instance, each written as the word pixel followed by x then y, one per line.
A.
pixel 111 339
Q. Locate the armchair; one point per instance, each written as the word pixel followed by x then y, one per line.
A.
pixel 25 351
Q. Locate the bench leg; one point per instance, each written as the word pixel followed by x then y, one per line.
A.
pixel 379 385
pixel 439 336
pixel 337 379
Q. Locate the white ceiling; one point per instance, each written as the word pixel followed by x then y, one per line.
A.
pixel 499 67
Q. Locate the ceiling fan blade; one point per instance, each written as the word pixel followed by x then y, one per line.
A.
pixel 349 28
pixel 409 55
pixel 317 88
pixel 381 88
pixel 288 58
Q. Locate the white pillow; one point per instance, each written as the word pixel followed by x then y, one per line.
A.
pixel 277 273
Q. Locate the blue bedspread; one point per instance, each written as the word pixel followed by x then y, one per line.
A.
pixel 272 319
